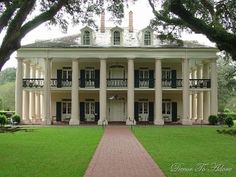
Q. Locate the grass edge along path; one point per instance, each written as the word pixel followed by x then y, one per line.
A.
pixel 190 151
pixel 56 151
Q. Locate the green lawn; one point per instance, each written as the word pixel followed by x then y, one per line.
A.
pixel 190 151
pixel 48 152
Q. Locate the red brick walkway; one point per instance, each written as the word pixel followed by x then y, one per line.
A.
pixel 119 154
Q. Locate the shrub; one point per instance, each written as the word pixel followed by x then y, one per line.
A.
pixel 3 120
pixel 16 119
pixel 229 121
pixel 213 119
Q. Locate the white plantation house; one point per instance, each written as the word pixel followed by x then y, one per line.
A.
pixel 115 74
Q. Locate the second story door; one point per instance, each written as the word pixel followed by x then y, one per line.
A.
pixel 89 77
pixel 143 78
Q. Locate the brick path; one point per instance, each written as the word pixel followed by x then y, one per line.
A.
pixel 119 154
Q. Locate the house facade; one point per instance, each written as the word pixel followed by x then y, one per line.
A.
pixel 115 75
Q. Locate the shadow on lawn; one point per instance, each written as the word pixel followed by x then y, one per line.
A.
pixel 228 132
pixel 12 129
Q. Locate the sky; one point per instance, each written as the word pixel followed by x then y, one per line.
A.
pixel 142 14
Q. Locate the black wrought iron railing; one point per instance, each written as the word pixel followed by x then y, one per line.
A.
pixel 116 82
pixel 61 83
pixel 173 83
pixel 200 83
pixel 146 82
pixel 33 83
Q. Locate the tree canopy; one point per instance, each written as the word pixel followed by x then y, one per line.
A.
pixel 18 17
pixel 214 18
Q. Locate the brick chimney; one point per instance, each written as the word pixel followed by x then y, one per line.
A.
pixel 102 27
pixel 131 28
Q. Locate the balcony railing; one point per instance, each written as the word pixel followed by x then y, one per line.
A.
pixel 199 83
pixel 33 83
pixel 116 82
pixel 61 83
pixel 146 82
pixel 173 83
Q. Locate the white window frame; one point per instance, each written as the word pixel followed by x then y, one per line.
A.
pixel 89 110
pixel 167 110
pixel 147 39
pixel 83 31
pixel 87 37
pixel 90 80
pixel 143 110
pixel 120 37
pixel 150 31
pixel 143 74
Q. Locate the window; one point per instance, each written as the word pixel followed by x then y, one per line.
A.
pixel 143 78
pixel 66 107
pixel 86 38
pixel 89 77
pixel 67 74
pixel 116 38
pixel 147 38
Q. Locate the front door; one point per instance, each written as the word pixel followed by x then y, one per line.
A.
pixel 66 110
pixel 117 110
pixel 167 111
pixel 143 111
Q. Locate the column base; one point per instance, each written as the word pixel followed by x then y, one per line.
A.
pixel 130 122
pixel 46 122
pixel 102 122
pixel 159 122
pixel 74 122
pixel 26 121
pixel 186 122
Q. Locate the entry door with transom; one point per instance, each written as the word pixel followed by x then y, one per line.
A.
pixel 116 110
pixel 89 110
pixel 66 110
pixel 167 111
pixel 143 111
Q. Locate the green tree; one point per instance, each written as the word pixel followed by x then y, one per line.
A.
pixel 216 19
pixel 7 96
pixel 226 83
pixel 18 17
pixel 8 75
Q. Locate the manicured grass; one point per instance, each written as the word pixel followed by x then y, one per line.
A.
pixel 190 151
pixel 48 152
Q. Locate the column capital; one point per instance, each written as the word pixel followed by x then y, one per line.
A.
pixel 19 59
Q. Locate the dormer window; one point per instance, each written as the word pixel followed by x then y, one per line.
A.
pixel 86 38
pixel 147 38
pixel 116 36
pixel 116 40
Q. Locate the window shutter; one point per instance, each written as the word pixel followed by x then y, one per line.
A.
pixel 174 111
pixel 59 78
pixel 97 78
pixel 82 115
pixel 97 111
pixel 136 111
pixel 173 79
pixel 151 112
pixel 58 111
pixel 82 78
pixel 151 78
pixel 136 78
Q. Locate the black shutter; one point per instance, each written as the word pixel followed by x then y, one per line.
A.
pixel 136 111
pixel 174 111
pixel 136 78
pixel 82 78
pixel 97 78
pixel 59 78
pixel 173 79
pixel 58 111
pixel 151 78
pixel 82 115
pixel 151 112
pixel 97 111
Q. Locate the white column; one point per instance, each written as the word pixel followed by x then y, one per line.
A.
pixel 41 98
pixel 199 95
pixel 185 74
pixel 19 89
pixel 214 96
pixel 32 94
pixel 130 94
pixel 46 92
pixel 103 93
pixel 26 95
pixel 158 93
pixel 37 97
pixel 194 97
pixel 206 95
pixel 75 93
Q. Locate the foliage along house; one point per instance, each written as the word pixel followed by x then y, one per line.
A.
pixel 115 75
